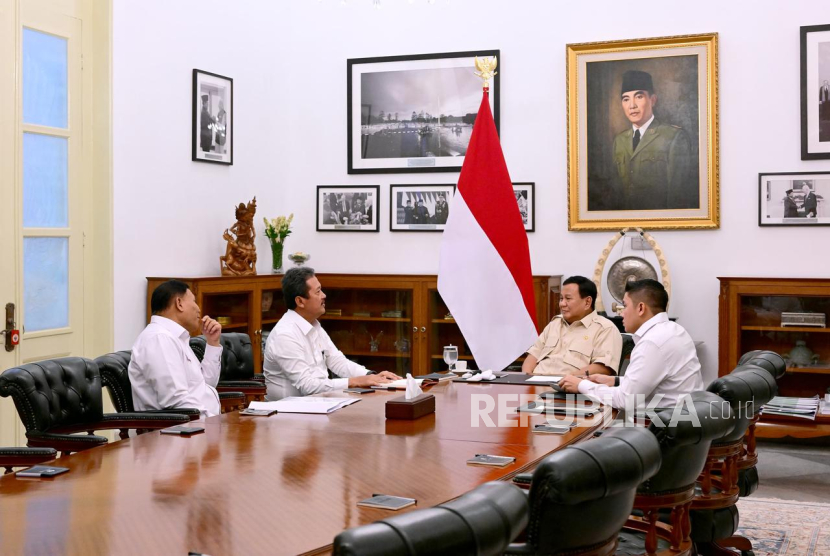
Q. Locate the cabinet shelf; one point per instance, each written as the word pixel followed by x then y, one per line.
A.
pixel 359 353
pixel 234 326
pixel 786 329
pixel 443 321
pixel 365 319
pixel 810 370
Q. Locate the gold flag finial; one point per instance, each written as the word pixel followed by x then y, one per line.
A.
pixel 486 69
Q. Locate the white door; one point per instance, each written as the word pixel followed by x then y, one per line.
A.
pixel 41 176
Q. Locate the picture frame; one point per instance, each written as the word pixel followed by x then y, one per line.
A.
pixel 815 92
pixel 668 179
pixel 783 199
pixel 212 118
pixel 526 199
pixel 414 113
pixel 338 209
pixel 420 207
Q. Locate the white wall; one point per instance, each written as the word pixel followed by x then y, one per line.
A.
pixel 288 61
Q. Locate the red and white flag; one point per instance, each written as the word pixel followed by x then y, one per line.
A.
pixel 484 272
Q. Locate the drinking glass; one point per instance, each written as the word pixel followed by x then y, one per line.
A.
pixel 450 355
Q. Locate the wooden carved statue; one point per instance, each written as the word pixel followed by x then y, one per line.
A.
pixel 240 254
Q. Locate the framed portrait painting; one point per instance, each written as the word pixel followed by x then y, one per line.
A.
pixel 525 193
pixel 815 92
pixel 420 208
pixel 347 208
pixel 212 118
pixel 414 113
pixel 794 199
pixel 643 133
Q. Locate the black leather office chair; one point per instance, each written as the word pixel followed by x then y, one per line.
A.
pixel 237 367
pixel 767 360
pixel 625 355
pixel 582 495
pixel 482 522
pixel 114 368
pixel 58 397
pixel 25 457
pixel 684 434
pixel 714 515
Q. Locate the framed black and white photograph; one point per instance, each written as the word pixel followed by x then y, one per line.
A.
pixel 420 208
pixel 525 193
pixel 815 92
pixel 212 117
pixel 414 113
pixel 347 208
pixel 794 199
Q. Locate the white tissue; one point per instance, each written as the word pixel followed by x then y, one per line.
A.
pixel 483 375
pixel 412 388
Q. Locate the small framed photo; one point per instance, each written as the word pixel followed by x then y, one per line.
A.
pixel 526 198
pixel 794 199
pixel 420 208
pixel 212 118
pixel 815 92
pixel 414 113
pixel 347 208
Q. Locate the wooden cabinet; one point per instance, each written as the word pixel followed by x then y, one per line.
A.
pixel 750 317
pixel 393 322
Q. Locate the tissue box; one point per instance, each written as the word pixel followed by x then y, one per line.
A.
pixel 401 408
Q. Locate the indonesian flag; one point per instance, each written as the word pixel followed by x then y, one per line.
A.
pixel 484 272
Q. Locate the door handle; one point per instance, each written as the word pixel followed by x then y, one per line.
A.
pixel 12 335
pixel 423 329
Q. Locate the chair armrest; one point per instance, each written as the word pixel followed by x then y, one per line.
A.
pixel 251 388
pixel 232 401
pixel 25 457
pixel 518 549
pixel 190 412
pixel 523 480
pixel 259 378
pixel 141 420
pixel 64 442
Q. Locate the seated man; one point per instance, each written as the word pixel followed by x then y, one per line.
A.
pixel 664 365
pixel 299 352
pixel 164 372
pixel 579 341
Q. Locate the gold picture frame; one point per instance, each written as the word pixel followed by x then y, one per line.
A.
pixel 668 179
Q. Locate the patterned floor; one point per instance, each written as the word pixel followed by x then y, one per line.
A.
pixel 785 527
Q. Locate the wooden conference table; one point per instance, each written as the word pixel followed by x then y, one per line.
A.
pixel 284 484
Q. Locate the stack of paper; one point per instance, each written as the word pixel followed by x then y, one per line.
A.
pixel 803 408
pixel 309 404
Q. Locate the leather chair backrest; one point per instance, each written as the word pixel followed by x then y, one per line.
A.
pixel 483 521
pixel 768 360
pixel 582 495
pixel 114 369
pixel 685 434
pixel 237 355
pixel 746 390
pixel 55 392
pixel 625 355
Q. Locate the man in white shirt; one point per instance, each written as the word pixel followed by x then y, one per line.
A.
pixel 164 372
pixel 664 365
pixel 299 353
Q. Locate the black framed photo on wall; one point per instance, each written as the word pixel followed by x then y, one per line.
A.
pixel 525 193
pixel 643 133
pixel 347 208
pixel 212 118
pixel 815 92
pixel 414 113
pixel 420 208
pixel 794 199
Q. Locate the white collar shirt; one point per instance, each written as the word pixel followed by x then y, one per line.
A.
pixel 165 373
pixel 664 367
pixel 643 128
pixel 298 355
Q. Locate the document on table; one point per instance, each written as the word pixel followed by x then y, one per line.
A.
pixel 307 404
pixel 542 378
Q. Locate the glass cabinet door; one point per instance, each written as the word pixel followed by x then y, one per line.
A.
pixel 795 327
pixel 372 327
